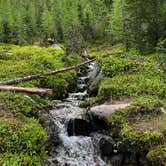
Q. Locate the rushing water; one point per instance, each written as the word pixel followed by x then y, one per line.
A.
pixel 75 150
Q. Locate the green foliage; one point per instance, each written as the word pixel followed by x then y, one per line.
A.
pixel 132 86
pixel 23 105
pixel 22 145
pixel 22 138
pixel 145 106
pixel 112 66
pixel 118 118
pixel 157 156
pixel 92 101
pixel 142 108
pixel 136 141
pixel 28 60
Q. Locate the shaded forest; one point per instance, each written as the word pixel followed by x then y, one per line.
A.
pixel 138 24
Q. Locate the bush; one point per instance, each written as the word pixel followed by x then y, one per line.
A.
pixel 137 141
pixel 145 106
pixel 157 156
pixel 132 86
pixel 22 145
pixel 112 66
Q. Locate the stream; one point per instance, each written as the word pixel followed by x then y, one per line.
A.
pixel 79 145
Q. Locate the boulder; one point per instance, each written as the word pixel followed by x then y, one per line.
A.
pixel 52 132
pixel 79 127
pixel 117 160
pixel 103 111
pixel 106 146
pixel 52 139
pixel 95 83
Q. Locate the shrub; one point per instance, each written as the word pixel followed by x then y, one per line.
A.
pixel 112 66
pixel 132 86
pixel 145 106
pixel 22 145
pixel 137 141
pixel 157 156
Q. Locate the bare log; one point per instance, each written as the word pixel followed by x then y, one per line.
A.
pixel 42 75
pixel 27 90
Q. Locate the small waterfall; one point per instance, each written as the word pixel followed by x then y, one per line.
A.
pixel 75 150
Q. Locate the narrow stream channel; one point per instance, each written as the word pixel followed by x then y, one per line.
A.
pixel 76 149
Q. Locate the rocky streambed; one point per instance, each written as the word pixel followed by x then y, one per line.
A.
pixel 77 136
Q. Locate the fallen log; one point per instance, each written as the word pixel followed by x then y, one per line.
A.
pixel 39 91
pixel 42 75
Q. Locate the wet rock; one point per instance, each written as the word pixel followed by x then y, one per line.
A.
pixel 83 79
pixel 81 87
pixel 77 127
pixel 98 123
pixel 94 84
pixel 52 139
pixel 106 146
pixel 50 162
pixel 52 132
pixel 117 160
pixel 120 147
